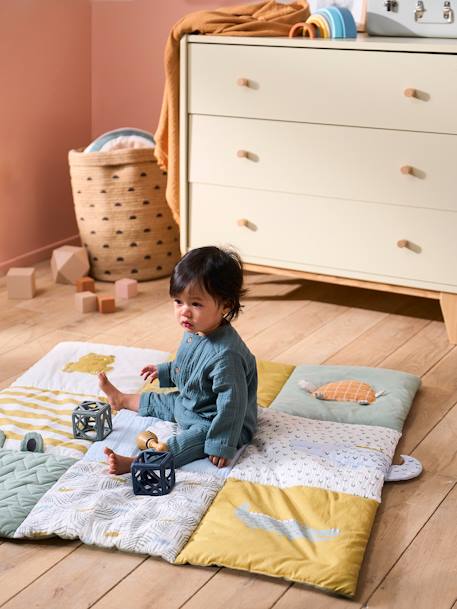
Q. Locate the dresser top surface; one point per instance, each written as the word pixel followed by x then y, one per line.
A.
pixel 362 43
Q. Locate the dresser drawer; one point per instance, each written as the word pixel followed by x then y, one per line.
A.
pixel 330 236
pixel 325 160
pixel 332 86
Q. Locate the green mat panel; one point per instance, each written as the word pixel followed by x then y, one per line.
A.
pixel 24 479
pixel 389 410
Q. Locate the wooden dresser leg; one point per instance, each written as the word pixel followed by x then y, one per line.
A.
pixel 449 309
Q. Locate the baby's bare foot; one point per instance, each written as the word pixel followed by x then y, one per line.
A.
pixel 218 461
pixel 118 464
pixel 117 399
pixel 115 396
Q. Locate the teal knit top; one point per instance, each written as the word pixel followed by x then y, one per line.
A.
pixel 217 380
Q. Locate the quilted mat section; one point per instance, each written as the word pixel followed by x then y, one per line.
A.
pixel 46 411
pixel 395 393
pixel 271 376
pixel 300 502
pixel 90 504
pixel 307 535
pixel 73 367
pixel 44 397
pixel 289 451
pixel 24 478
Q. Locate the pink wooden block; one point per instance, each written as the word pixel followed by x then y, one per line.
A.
pixel 126 288
pixel 86 302
pixel 20 282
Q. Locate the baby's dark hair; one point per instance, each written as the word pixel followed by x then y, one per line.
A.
pixel 218 271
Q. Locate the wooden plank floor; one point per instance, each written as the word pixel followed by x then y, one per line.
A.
pixel 411 561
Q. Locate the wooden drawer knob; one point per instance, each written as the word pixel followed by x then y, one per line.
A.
pixel 243 222
pixel 410 92
pixel 242 82
pixel 406 170
pixel 242 154
pixel 403 243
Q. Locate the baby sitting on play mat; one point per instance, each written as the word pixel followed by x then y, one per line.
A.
pixel 215 373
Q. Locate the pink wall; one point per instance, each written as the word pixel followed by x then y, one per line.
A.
pixel 70 70
pixel 45 109
pixel 127 58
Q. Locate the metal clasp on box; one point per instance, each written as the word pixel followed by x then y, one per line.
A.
pixel 448 13
pixel 420 10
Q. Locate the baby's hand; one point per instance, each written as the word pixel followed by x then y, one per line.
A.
pixel 219 461
pixel 149 373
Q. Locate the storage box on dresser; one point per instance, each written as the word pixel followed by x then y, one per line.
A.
pixel 329 159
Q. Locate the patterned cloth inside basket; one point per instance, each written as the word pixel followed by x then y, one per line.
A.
pixel 121 138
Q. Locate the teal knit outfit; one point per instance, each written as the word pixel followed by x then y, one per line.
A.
pixel 216 402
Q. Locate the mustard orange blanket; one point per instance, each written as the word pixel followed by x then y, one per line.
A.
pixel 259 19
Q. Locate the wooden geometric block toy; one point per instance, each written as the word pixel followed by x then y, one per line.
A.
pixel 126 288
pixel 86 302
pixel 85 284
pixel 92 420
pixel 153 473
pixel 106 304
pixel 20 282
pixel 68 263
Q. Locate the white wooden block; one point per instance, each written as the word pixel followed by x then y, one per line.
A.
pixel 20 282
pixel 126 288
pixel 86 302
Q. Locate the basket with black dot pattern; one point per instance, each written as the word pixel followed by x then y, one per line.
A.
pixel 123 218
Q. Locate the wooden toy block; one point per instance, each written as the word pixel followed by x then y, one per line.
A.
pixel 126 288
pixel 68 263
pixel 85 284
pixel 86 302
pixel 106 304
pixel 20 282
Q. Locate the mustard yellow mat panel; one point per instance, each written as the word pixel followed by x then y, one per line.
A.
pixel 309 535
pixel 272 377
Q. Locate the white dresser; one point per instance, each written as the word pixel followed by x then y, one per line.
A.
pixel 332 160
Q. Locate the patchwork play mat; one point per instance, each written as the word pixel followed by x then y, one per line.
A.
pixel 299 502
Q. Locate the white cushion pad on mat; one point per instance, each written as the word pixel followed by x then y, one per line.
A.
pixel 90 504
pixel 49 372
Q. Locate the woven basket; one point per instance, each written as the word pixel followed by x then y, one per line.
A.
pixel 123 219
